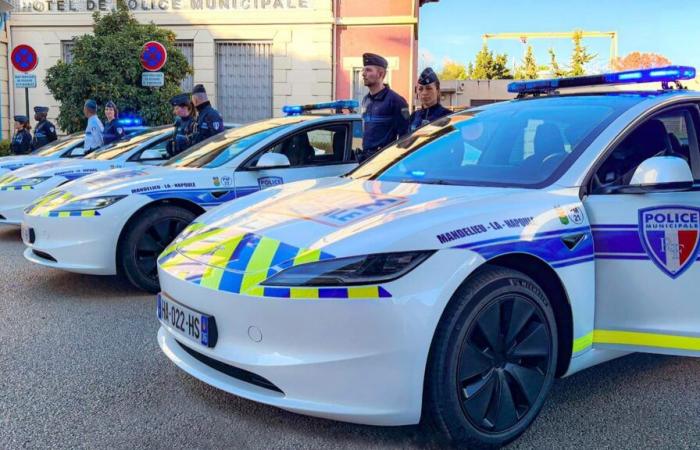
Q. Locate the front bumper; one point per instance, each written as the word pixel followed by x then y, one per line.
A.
pixel 13 203
pixel 355 360
pixel 77 244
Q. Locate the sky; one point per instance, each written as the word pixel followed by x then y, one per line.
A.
pixel 452 29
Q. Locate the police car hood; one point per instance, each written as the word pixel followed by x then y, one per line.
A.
pixel 340 217
pixel 9 163
pixel 131 180
pixel 68 168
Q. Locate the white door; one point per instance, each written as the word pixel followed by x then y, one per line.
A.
pixel 312 153
pixel 646 244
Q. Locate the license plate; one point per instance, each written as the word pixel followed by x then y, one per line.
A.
pixel 195 326
pixel 25 233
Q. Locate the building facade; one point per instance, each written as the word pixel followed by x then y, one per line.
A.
pixel 253 56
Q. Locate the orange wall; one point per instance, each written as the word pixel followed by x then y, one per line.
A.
pixel 366 8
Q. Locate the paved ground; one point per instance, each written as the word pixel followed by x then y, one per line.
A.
pixel 80 368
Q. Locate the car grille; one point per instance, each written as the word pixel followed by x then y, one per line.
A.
pixel 234 372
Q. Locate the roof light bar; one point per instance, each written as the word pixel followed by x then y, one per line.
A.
pixel 295 110
pixel 662 74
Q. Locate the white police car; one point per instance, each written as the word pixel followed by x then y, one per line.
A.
pixel 21 187
pixel 118 222
pixel 459 271
pixel 70 146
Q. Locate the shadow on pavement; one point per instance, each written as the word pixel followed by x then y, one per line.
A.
pixel 10 233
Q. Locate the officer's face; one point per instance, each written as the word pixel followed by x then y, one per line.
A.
pixel 18 126
pixel 37 117
pixel 428 94
pixel 181 111
pixel 371 75
pixel 109 113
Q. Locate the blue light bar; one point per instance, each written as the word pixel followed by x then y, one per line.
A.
pixel 661 74
pixel 130 121
pixel 295 110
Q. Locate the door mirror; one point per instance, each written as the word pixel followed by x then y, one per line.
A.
pixel 150 155
pixel 660 173
pixel 272 160
pixel 77 152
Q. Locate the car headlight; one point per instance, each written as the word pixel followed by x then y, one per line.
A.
pixel 355 270
pixel 28 181
pixel 92 203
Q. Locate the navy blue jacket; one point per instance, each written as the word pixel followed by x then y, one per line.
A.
pixel 182 136
pixel 44 133
pixel 21 142
pixel 385 118
pixel 426 115
pixel 112 132
pixel 209 123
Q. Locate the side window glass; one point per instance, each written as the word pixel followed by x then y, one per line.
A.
pixel 663 135
pixel 357 132
pixel 156 151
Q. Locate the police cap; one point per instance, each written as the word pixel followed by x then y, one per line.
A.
pixel 428 76
pixel 371 59
pixel 199 89
pixel 91 104
pixel 21 119
pixel 180 100
pixel 111 104
pixel 41 109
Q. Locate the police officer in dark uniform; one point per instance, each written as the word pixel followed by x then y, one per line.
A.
pixel 22 140
pixel 429 96
pixel 113 130
pixel 385 115
pixel 209 121
pixel 184 124
pixel 45 131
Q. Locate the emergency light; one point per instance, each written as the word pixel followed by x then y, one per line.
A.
pixel 667 74
pixel 130 121
pixel 338 105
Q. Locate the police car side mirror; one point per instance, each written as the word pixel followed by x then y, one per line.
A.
pixel 663 173
pixel 658 174
pixel 150 154
pixel 272 160
pixel 77 152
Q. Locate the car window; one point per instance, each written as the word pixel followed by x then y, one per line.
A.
pixel 662 135
pixel 318 146
pixel 116 150
pixel 520 143
pixel 160 147
pixel 59 145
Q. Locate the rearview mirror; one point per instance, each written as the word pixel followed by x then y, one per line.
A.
pixel 272 160
pixel 150 154
pixel 660 173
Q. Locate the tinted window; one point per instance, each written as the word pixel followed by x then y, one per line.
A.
pixel 521 143
pixel 116 150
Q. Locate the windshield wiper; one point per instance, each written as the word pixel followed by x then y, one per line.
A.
pixel 430 181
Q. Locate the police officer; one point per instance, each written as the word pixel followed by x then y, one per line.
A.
pixel 22 140
pixel 94 128
pixel 184 124
pixel 209 121
pixel 45 131
pixel 113 130
pixel 385 115
pixel 429 96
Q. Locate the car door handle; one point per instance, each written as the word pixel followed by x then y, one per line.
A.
pixel 572 240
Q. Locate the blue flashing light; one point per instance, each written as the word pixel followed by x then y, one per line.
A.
pixel 295 110
pixel 130 121
pixel 661 74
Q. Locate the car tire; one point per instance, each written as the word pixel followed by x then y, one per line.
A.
pixel 492 360
pixel 144 238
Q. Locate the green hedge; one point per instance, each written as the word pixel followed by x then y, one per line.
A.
pixel 4 147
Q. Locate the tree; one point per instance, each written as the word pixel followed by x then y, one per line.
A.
pixel 452 70
pixel 528 70
pixel 106 67
pixel 638 60
pixel 580 56
pixel 488 67
pixel 554 65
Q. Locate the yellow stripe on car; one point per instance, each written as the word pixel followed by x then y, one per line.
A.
pixel 636 339
pixel 222 253
pixel 258 266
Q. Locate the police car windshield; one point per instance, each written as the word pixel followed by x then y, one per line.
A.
pixel 57 146
pixel 222 148
pixel 114 151
pixel 523 143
